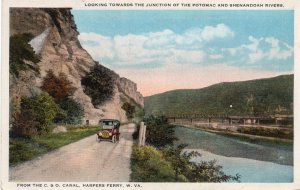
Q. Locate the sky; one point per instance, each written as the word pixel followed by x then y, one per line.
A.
pixel 164 50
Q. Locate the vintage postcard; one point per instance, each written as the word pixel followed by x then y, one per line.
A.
pixel 150 94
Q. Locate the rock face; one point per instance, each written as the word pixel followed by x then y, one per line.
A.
pixel 60 50
pixel 130 89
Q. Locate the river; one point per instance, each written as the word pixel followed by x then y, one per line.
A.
pixel 259 161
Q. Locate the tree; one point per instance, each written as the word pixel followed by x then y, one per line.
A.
pixel 99 84
pixel 130 110
pixel 159 133
pixel 21 55
pixel 36 115
pixel 60 88
pixel 74 111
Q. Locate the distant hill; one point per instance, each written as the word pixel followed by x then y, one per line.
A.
pixel 255 97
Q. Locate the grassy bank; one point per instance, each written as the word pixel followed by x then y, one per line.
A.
pixel 21 149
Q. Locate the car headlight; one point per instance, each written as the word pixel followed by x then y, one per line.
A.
pixel 110 134
pixel 100 134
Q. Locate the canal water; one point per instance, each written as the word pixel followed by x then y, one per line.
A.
pixel 257 162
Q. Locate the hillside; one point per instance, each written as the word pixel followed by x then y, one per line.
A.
pixel 54 45
pixel 255 97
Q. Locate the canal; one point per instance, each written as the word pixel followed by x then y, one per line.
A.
pixel 256 161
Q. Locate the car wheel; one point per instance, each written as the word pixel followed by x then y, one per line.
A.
pixel 114 139
pixel 97 139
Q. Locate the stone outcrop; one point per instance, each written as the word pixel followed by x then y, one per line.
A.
pixel 60 50
pixel 129 88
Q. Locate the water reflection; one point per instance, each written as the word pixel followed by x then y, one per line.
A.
pixel 255 162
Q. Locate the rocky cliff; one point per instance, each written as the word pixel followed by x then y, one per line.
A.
pixel 55 40
pixel 129 88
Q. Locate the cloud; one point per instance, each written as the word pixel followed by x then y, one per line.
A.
pixel 187 60
pixel 261 49
pixel 98 46
pixel 219 31
pixel 253 45
pixel 278 51
pixel 153 47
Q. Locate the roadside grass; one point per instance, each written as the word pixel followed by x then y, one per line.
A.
pixel 21 149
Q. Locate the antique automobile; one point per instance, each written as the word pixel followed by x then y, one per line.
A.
pixel 109 130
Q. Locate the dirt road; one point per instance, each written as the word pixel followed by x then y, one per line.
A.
pixel 82 161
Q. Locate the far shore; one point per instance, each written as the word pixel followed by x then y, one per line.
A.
pixel 236 134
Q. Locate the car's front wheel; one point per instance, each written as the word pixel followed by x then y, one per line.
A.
pixel 98 139
pixel 114 139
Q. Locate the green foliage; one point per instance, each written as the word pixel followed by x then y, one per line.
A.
pixel 168 163
pixel 149 165
pixel 180 162
pixel 159 133
pixel 209 172
pixel 192 171
pixel 74 111
pixel 99 84
pixel 139 114
pixel 256 97
pixel 173 165
pixel 26 123
pixel 21 55
pixel 59 87
pixel 130 110
pixel 36 115
pixel 21 150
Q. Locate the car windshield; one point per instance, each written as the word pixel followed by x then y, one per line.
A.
pixel 108 124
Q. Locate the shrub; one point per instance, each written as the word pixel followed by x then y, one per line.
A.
pixel 209 171
pixel 26 123
pixel 74 111
pixel 99 84
pixel 159 133
pixel 195 172
pixel 130 110
pixel 60 88
pixel 173 165
pixel 36 115
pixel 149 165
pixel 21 55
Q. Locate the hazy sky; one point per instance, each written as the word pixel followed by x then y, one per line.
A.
pixel 166 50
